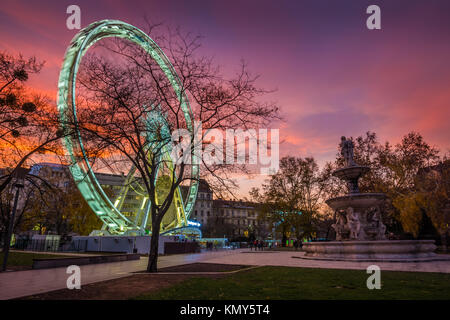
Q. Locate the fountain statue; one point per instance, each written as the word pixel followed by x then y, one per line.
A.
pixel 360 231
pixel 347 151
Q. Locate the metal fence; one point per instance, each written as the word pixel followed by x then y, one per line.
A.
pixel 44 245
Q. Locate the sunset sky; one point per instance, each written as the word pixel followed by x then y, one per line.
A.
pixel 332 75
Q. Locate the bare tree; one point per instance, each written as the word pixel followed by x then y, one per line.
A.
pixel 28 122
pixel 28 126
pixel 127 109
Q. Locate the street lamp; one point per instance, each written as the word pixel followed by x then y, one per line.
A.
pixel 19 176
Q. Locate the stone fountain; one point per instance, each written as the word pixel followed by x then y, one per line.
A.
pixel 360 232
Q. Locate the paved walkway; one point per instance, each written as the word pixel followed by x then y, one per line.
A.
pixel 23 283
pixel 285 258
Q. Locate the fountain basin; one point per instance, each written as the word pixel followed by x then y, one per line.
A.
pixel 356 201
pixel 351 173
pixel 381 250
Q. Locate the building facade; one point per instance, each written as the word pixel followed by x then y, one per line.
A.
pixel 203 208
pixel 238 220
pixel 227 219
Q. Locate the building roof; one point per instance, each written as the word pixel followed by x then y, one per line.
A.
pixel 220 203
pixel 54 166
pixel 203 186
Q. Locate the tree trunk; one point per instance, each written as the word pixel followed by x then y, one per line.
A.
pixel 444 242
pixel 5 241
pixel 154 244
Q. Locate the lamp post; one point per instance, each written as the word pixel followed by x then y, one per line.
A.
pixel 19 176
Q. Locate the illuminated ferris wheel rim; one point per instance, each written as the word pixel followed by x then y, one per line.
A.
pixel 81 171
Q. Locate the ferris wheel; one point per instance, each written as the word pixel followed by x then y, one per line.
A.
pixel 111 211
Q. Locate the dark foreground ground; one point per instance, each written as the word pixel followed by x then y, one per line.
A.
pixel 138 284
pixel 286 283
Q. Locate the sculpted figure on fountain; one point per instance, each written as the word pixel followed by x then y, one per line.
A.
pixel 347 146
pixel 340 227
pixel 376 224
pixel 353 223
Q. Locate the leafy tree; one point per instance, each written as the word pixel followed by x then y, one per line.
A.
pixel 292 197
pixel 59 206
pixel 6 205
pixel 429 198
pixel 435 182
pixel 217 227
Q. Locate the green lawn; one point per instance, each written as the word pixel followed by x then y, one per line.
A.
pixel 288 283
pixel 26 258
